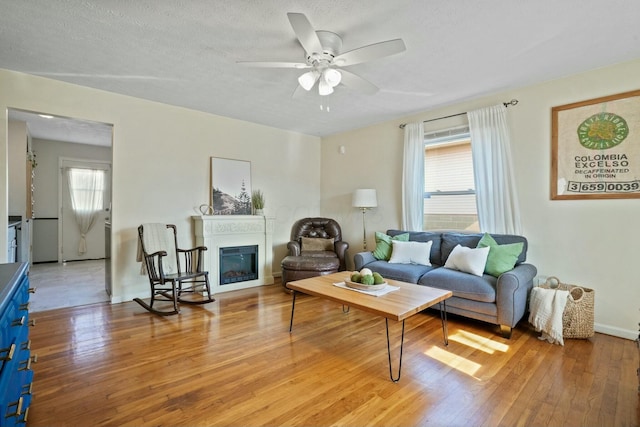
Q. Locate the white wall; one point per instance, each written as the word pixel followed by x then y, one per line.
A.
pixel 594 243
pixel 161 164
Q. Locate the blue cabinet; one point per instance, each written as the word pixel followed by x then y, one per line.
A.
pixel 16 375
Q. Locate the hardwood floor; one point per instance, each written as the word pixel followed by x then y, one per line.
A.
pixel 234 363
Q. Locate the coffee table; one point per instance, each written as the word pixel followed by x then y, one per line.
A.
pixel 397 305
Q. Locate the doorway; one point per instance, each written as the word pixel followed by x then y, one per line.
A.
pixel 51 138
pixel 82 217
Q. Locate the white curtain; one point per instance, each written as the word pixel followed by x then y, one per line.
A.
pixel 86 188
pixel 413 177
pixel 496 195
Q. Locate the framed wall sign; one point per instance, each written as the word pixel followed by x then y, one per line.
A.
pixel 595 151
pixel 230 186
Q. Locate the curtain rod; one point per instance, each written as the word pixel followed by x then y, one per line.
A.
pixel 506 104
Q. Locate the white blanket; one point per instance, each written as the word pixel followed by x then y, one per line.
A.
pixel 157 237
pixel 546 307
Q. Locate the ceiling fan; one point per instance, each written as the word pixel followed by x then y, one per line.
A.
pixel 325 61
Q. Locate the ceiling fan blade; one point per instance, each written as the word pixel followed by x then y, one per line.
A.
pixel 299 92
pixel 356 82
pixel 370 52
pixel 305 33
pixel 297 65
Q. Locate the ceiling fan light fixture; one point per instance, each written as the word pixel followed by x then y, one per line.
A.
pixel 332 77
pixel 308 79
pixel 323 56
pixel 324 88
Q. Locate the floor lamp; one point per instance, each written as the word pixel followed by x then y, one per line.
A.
pixel 364 199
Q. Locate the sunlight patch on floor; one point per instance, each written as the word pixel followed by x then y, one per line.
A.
pixel 478 342
pixel 456 362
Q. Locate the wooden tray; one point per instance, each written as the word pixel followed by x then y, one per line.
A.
pixel 356 285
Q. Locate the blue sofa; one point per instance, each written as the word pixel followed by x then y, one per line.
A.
pixel 498 300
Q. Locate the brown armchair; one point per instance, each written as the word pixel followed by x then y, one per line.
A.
pixel 326 229
pixel 316 248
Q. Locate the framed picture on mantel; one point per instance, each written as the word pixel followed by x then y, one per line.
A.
pixel 230 186
pixel 595 151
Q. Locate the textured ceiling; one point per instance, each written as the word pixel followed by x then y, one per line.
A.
pixel 64 128
pixel 184 53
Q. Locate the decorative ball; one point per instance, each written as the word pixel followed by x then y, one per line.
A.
pixel 368 279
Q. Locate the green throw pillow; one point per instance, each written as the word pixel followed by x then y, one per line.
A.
pixel 502 258
pixel 384 246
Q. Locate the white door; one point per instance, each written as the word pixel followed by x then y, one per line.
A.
pixel 69 231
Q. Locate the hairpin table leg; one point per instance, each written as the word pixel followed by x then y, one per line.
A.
pixel 395 380
pixel 293 306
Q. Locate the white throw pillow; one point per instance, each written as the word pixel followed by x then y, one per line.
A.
pixel 469 260
pixel 410 252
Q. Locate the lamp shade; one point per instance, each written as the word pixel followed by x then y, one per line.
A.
pixel 308 79
pixel 324 88
pixel 365 198
pixel 332 77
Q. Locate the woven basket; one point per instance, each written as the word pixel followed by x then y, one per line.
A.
pixel 578 316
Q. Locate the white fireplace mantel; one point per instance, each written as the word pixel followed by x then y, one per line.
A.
pixel 221 231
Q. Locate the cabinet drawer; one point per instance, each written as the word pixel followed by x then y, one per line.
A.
pixel 16 374
pixel 15 412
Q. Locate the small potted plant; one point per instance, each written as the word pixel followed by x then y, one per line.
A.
pixel 257 201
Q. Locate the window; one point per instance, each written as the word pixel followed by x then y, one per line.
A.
pixel 86 187
pixel 450 197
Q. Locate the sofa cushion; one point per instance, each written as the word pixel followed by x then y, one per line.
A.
pixel 410 273
pixel 502 258
pixel 463 285
pixel 469 260
pixel 425 236
pixel 411 253
pixel 319 254
pixel 310 263
pixel 316 244
pixel 383 248
pixel 450 240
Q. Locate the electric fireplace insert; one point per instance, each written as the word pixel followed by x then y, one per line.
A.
pixel 238 264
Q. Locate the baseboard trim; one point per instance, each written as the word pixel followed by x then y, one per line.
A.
pixel 616 332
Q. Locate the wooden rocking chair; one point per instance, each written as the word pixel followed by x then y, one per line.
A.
pixel 164 267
